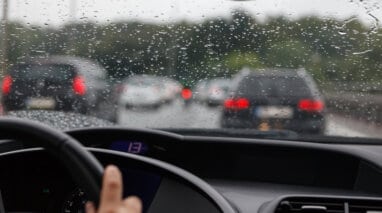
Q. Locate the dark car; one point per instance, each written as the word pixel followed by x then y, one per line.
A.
pixel 275 99
pixel 56 83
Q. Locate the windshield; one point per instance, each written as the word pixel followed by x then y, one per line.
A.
pixel 33 72
pixel 311 67
pixel 274 87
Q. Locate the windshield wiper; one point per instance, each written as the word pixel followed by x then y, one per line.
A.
pixel 237 133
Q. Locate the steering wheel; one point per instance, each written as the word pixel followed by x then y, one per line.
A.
pixel 85 169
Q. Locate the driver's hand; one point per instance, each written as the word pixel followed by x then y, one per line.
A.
pixel 111 195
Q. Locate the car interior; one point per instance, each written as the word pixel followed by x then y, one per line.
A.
pixel 205 106
pixel 185 173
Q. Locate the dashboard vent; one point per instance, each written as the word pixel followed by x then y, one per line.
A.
pixel 365 206
pixel 307 205
pixel 328 205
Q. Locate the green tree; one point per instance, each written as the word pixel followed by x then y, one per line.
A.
pixel 234 61
pixel 288 54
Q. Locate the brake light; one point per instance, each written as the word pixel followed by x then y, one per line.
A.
pixel 310 105
pixel 79 86
pixel 7 84
pixel 236 104
pixel 186 94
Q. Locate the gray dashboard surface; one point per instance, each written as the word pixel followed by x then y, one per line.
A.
pixel 249 196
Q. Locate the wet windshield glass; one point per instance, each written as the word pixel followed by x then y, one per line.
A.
pixel 312 67
pixel 33 72
pixel 274 87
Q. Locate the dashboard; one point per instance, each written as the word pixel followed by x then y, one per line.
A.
pixel 32 181
pixel 248 172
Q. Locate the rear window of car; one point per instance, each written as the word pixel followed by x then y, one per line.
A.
pixel 224 85
pixel 60 72
pixel 274 86
pixel 141 82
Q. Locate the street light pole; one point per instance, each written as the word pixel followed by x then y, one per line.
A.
pixel 72 18
pixel 4 37
pixel 172 70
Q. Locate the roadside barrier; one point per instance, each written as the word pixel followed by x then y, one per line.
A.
pixel 363 106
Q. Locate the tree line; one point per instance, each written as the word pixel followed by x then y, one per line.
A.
pixel 332 50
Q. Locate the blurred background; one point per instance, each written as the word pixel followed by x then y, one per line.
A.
pixel 152 51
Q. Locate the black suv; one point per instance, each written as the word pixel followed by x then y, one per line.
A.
pixel 56 83
pixel 274 99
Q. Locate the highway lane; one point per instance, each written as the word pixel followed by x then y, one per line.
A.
pixel 343 126
pixel 176 115
pixel 173 115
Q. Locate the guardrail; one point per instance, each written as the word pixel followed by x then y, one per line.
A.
pixel 363 106
pixel 356 87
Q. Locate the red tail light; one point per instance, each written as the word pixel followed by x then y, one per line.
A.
pixel 229 103
pixel 186 94
pixel 240 103
pixel 7 84
pixel 79 86
pixel 310 105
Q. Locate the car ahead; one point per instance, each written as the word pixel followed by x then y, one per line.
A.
pixel 200 91
pixel 143 91
pixel 170 88
pixel 55 83
pixel 217 91
pixel 274 99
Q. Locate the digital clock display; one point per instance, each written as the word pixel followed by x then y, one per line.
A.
pixel 133 147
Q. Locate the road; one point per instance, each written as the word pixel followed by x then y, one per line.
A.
pixel 175 115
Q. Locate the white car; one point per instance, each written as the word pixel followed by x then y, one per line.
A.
pixel 170 89
pixel 140 91
pixel 217 91
pixel 200 91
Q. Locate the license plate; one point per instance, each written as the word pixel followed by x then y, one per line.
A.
pixel 41 103
pixel 281 112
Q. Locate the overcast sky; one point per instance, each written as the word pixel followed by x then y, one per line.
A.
pixel 57 12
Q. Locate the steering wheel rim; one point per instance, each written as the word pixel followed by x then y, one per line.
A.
pixel 84 168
